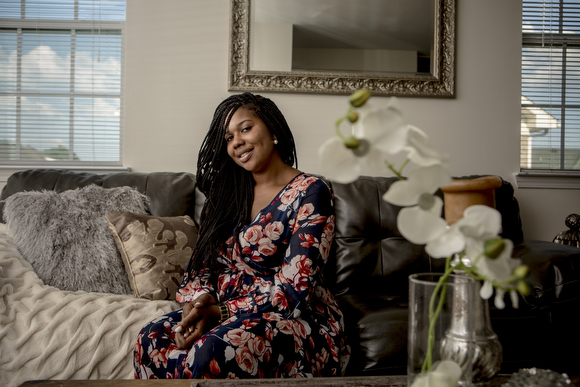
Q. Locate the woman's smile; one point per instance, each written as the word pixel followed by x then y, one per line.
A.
pixel 245 156
pixel 249 142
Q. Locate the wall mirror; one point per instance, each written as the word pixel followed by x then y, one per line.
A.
pixel 392 47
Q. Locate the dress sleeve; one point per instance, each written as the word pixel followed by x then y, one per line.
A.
pixel 310 231
pixel 194 286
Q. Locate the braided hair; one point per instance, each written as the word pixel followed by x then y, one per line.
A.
pixel 228 188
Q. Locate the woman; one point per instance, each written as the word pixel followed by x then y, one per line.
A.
pixel 255 302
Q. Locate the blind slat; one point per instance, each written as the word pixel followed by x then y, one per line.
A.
pixel 61 81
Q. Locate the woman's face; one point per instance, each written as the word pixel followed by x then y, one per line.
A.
pixel 249 142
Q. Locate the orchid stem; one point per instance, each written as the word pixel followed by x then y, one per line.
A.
pixel 337 127
pixel 398 172
pixel 441 288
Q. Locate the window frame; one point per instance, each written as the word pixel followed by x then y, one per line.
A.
pixel 547 178
pixel 7 167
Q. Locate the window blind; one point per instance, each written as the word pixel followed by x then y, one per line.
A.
pixel 61 70
pixel 550 109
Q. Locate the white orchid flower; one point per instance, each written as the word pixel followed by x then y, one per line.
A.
pixel 343 165
pixel 384 127
pixel 376 132
pixel 479 224
pixel 421 182
pixel 445 373
pixel 421 152
pixel 422 223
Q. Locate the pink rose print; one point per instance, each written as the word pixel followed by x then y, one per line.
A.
pixel 214 367
pixel 262 299
pixel 294 226
pixel 305 211
pixel 319 219
pixel 274 230
pixel 159 357
pixel 298 271
pixel 153 335
pixel 238 337
pixel 244 268
pixel 269 334
pixel 247 324
pixel 252 235
pixel 272 317
pixel 225 282
pixel 302 184
pixel 279 299
pixel 321 360
pixel 335 350
pixel 309 241
pixel 300 329
pixel 256 256
pixel 326 241
pixel 257 346
pixel 266 247
pixel 239 304
pixel 246 360
pixel 265 218
pixel 289 195
pixel 285 326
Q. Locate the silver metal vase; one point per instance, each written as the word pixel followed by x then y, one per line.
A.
pixel 487 350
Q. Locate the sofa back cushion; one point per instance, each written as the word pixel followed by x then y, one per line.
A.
pixel 370 255
pixel 368 247
pixel 170 193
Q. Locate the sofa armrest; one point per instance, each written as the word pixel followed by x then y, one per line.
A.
pixel 554 272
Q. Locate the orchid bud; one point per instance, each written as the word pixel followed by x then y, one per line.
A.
pixel 522 271
pixel 523 288
pixel 359 97
pixel 352 116
pixel 493 247
pixel 351 142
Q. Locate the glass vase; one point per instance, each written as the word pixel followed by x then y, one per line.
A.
pixel 441 328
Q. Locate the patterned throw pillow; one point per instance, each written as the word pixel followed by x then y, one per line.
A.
pixel 64 235
pixel 155 251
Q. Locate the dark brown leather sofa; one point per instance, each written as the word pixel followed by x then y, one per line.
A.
pixel 370 264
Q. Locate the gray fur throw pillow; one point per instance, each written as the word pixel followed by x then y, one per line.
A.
pixel 66 238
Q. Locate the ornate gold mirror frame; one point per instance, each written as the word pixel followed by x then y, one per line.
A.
pixel 438 83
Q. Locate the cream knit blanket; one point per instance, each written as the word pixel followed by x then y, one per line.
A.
pixel 47 333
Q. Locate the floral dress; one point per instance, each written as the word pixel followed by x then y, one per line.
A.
pixel 284 322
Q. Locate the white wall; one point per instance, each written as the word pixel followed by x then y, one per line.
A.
pixel 177 71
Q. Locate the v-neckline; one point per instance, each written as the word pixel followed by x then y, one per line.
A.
pixel 274 198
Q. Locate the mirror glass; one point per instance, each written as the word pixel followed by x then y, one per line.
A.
pixel 363 36
pixel 392 47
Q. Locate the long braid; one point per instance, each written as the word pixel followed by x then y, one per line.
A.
pixel 229 189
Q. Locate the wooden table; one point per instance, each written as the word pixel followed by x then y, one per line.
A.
pixel 352 381
pixel 362 381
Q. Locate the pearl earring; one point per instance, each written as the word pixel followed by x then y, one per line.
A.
pixel 275 141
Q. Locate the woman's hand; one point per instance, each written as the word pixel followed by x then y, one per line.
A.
pixel 195 318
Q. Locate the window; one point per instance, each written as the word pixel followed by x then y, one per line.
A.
pixel 550 123
pixel 61 70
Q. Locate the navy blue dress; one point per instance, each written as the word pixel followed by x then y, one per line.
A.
pixel 284 321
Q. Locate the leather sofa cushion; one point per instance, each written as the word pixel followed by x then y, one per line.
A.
pixel 377 333
pixel 170 193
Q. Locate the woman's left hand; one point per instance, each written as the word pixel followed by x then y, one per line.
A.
pixel 195 318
